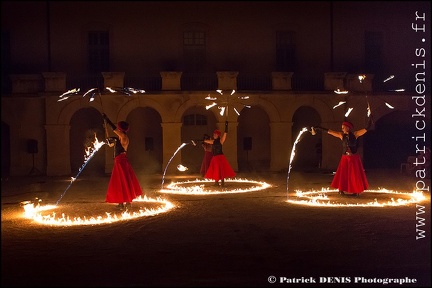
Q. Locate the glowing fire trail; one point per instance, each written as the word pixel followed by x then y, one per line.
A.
pixel 90 153
pixel 178 149
pixel 304 129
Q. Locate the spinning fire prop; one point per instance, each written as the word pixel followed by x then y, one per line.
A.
pixel 223 103
pixel 92 92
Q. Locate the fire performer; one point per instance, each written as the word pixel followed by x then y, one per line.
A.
pixel 123 186
pixel 219 167
pixel 350 177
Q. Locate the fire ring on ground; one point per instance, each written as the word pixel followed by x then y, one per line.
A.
pixel 369 198
pixel 208 187
pixel 75 214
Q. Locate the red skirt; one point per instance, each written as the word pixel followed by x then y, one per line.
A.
pixel 350 176
pixel 123 185
pixel 208 155
pixel 219 168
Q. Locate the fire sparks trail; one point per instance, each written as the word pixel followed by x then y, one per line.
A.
pixel 178 149
pixel 124 90
pixel 90 152
pixel 198 187
pixel 304 129
pixel 223 103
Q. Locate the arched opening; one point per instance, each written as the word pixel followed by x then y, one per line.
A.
pixel 309 148
pixel 391 142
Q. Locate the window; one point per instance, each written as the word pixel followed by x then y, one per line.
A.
pixel 373 52
pixel 194 49
pixel 285 51
pixel 98 47
pixel 195 119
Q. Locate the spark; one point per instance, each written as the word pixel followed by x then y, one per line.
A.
pixel 211 105
pixel 388 105
pixel 398 90
pixel 89 153
pixel 304 129
pixel 338 91
pixel 339 104
pixel 361 78
pixel 124 90
pixel 223 104
pixel 348 112
pixel 389 78
pixel 72 91
pixel 178 149
pixel 182 168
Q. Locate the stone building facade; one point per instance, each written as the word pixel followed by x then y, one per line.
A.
pixel 151 38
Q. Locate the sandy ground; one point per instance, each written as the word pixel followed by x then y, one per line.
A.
pixel 219 240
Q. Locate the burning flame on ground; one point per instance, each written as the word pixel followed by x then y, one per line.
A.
pixel 320 198
pixel 188 187
pixel 35 213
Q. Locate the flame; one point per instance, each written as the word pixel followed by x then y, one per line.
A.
pixel 321 198
pixel 338 91
pixel 389 106
pixel 187 187
pixel 224 103
pixel 35 213
pixel 339 104
pixel 390 77
pixel 361 78
pixel 181 168
pixel 91 150
pixel 348 112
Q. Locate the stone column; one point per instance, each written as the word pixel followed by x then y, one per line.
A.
pixel 58 147
pixel 54 81
pixel 171 80
pixel 282 80
pixel 227 80
pixel 171 135
pixel 281 145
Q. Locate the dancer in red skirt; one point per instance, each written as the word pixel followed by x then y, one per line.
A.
pixel 123 186
pixel 350 177
pixel 219 168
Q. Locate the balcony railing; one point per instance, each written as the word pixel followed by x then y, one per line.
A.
pixel 189 82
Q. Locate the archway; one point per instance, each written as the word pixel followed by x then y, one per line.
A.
pixel 308 150
pixel 391 142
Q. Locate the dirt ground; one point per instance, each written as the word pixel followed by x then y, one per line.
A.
pixel 247 239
